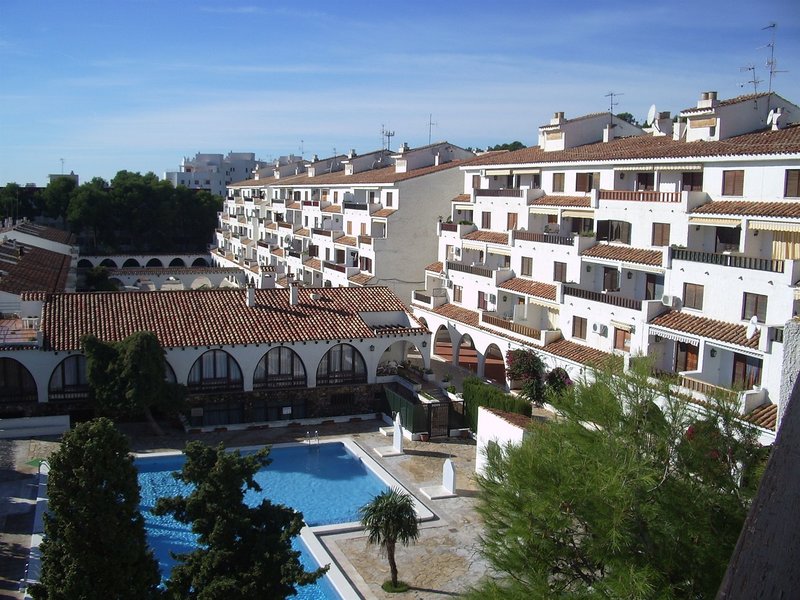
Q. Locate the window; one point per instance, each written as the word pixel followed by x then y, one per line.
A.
pixel 215 370
pixel 693 182
pixel 527 266
pixel 754 304
pixel 653 286
pixel 342 364
pixel 458 293
pixel 371 197
pixel 614 231
pixel 728 239
pixel 280 367
pixel 558 182
pixel 660 234
pixel 389 199
pixel 792 187
pixel 335 196
pixel 622 339
pixel 733 183
pixel 693 296
pixel 579 328
pixel 349 228
pixel 486 220
pixel 686 357
pixel 365 264
pixel 610 279
pixel 560 271
pixel 746 371
pixel 585 182
pixel 511 221
pixel 579 225
pixel 645 182
pixel 476 182
pixel 363 229
pixel 482 304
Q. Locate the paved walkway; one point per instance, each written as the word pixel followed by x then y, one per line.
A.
pixel 440 565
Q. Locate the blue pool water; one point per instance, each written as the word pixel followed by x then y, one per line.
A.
pixel 324 482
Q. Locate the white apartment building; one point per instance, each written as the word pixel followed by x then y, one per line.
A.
pixel 213 172
pixel 347 220
pixel 680 242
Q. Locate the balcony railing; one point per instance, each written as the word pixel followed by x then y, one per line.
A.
pixel 547 238
pixel 511 326
pixel 474 270
pixel 294 253
pixel 317 231
pixel 422 297
pixel 311 203
pixel 335 267
pixel 620 301
pixel 355 206
pixel 729 260
pixel 449 226
pixel 643 196
pixel 507 193
pixel 708 389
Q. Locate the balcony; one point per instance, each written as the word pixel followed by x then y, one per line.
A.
pixel 707 389
pixel 344 269
pixel 729 260
pixel 323 232
pixel 507 193
pixel 545 238
pixel 310 203
pixel 355 206
pixel 471 269
pixel 605 298
pixel 510 325
pixel 643 196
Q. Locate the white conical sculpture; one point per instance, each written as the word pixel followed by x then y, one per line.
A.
pixel 449 476
pixel 397 439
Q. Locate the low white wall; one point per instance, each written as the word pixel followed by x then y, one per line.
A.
pixel 30 426
pixel 492 428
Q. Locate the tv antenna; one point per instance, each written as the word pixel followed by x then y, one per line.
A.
pixel 388 135
pixel 753 78
pixel 772 63
pixel 612 104
pixel 430 125
pixel 62 165
pixel 302 151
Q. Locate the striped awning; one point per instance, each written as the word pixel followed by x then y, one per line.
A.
pixel 658 270
pixel 715 221
pixel 491 172
pixel 540 210
pixel 774 225
pixel 526 171
pixel 736 349
pixel 578 214
pixel 620 325
pixel 672 335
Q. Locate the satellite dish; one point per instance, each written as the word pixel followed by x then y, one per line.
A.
pixel 752 326
pixel 771 117
pixel 651 114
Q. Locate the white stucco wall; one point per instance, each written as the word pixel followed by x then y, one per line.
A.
pixel 494 429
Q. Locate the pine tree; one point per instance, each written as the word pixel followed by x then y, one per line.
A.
pixel 94 544
pixel 243 552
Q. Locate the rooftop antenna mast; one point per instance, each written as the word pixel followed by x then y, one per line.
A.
pixel 753 78
pixel 430 125
pixel 772 64
pixel 385 133
pixel 612 104
pixel 62 165
pixel 302 151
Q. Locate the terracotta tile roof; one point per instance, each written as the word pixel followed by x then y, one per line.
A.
pixel 346 240
pixel 585 355
pixel 473 319
pixel 332 208
pixel 647 147
pixel 36 269
pixel 272 225
pixel 304 231
pixel 384 212
pixel 462 198
pixel 192 318
pixel 515 419
pixel 313 263
pixel 625 254
pixel 295 205
pixel 283 281
pixel 750 209
pixel 532 288
pixel 492 237
pixel 728 102
pixel 576 119
pixel 730 333
pixel 156 271
pixel 277 251
pixel 360 278
pixel 46 233
pixel 765 416
pixel 436 267
pixel 576 201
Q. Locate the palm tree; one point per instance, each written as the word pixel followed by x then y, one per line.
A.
pixel 388 518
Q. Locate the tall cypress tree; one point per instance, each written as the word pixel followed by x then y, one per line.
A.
pixel 94 545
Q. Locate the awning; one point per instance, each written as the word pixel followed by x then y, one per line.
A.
pixel 634 168
pixel 526 171
pixel 671 335
pixel 715 221
pixel 539 210
pixel 491 172
pixel 774 225
pixel 736 349
pixel 679 167
pixel 620 325
pixel 578 214
pixel 644 268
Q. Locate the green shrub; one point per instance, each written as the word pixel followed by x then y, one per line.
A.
pixel 477 393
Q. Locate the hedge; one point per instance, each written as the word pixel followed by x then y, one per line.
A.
pixel 477 393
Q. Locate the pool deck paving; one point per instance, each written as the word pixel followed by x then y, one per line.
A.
pixel 443 563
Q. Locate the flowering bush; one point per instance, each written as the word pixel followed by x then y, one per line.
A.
pixel 527 367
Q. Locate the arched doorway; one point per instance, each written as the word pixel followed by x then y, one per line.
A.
pixel 467 354
pixel 494 366
pixel 108 263
pixel 215 371
pixel 131 263
pixel 85 263
pixel 341 364
pixel 177 262
pixel 200 262
pixel 16 382
pixel 442 344
pixel 281 367
pixel 155 262
pixel 69 380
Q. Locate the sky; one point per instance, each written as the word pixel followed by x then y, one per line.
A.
pixel 139 84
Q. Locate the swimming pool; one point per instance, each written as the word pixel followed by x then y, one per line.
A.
pixel 326 482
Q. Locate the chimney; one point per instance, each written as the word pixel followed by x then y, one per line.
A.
pixel 293 301
pixel 251 295
pixel 608 132
pixel 558 118
pixel 403 148
pixel 664 123
pixel 707 100
pixel 352 153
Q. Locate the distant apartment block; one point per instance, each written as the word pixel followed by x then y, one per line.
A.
pixel 213 172
pixel 347 220
pixel 680 242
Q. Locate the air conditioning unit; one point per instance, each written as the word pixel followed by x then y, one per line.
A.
pixel 457 252
pixel 492 298
pixel 600 329
pixel 449 284
pixel 670 301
